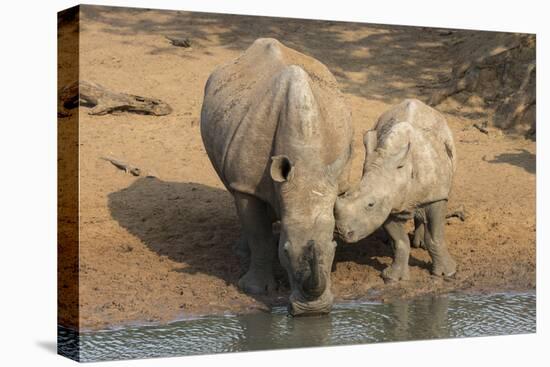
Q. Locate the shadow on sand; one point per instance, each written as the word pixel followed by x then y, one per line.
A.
pixel 398 61
pixel 196 225
pixel 522 158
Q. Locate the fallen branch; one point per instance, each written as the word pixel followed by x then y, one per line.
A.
pixel 103 101
pixel 459 213
pixel 179 42
pixel 445 33
pixel 482 129
pixel 127 167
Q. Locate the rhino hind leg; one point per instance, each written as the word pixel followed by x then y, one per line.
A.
pixel 434 239
pixel 258 237
pixel 399 269
pixel 419 227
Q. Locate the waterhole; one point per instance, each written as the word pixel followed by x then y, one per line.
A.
pixel 429 317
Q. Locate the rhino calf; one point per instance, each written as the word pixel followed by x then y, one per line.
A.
pixel 409 164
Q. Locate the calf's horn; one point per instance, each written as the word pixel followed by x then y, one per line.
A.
pixel 370 140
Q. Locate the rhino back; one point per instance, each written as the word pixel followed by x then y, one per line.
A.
pixel 433 153
pixel 242 107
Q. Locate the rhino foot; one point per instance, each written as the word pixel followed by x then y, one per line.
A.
pixel 445 268
pixel 395 273
pixel 257 283
pixel 418 237
pixel 418 243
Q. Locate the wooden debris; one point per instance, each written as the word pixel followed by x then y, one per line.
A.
pixel 126 167
pixel 129 168
pixel 445 33
pixel 179 42
pixel 482 128
pixel 460 213
pixel 103 101
pixel 476 142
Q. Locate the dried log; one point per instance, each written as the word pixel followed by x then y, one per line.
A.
pixel 459 213
pixel 103 101
pixel 179 42
pixel 126 167
pixel 482 128
pixel 129 168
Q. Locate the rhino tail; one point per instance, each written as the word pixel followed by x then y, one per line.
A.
pixel 451 153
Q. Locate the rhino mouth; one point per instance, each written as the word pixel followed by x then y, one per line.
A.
pixel 300 306
pixel 348 236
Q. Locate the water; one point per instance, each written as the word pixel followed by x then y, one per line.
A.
pixel 429 317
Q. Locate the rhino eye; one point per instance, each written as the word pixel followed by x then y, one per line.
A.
pixel 370 204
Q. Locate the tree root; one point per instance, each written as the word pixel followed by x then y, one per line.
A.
pixel 503 76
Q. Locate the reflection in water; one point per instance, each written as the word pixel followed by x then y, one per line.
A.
pixel 353 323
pixel 277 330
pixel 425 318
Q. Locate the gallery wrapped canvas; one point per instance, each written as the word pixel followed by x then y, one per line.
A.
pixel 231 183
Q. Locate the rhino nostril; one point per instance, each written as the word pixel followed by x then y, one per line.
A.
pixel 350 234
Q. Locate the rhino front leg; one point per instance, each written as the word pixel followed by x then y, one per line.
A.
pixel 241 249
pixel 434 239
pixel 419 223
pixel 399 270
pixel 257 230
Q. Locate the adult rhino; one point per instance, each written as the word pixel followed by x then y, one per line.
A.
pixel 409 166
pixel 278 133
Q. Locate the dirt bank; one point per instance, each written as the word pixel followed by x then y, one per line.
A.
pixel 156 249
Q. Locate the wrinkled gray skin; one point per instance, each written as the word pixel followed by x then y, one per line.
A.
pixel 409 165
pixel 278 134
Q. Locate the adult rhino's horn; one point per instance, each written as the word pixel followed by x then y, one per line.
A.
pixel 370 140
pixel 315 284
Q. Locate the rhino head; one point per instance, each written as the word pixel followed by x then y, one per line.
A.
pixel 310 157
pixel 387 173
pixel 307 195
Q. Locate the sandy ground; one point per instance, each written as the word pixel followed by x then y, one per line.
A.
pixel 154 250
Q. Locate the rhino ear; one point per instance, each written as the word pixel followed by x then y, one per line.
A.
pixel 369 141
pixel 400 158
pixel 398 145
pixel 282 168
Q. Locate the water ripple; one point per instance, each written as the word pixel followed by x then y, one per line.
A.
pixel 355 323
